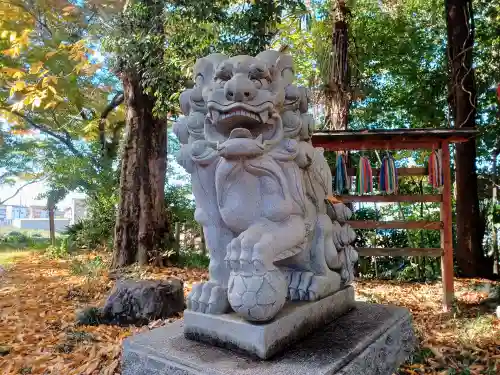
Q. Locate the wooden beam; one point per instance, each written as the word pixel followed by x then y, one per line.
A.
pixel 447 232
pixel 330 144
pixel 396 252
pixel 373 224
pixel 389 198
pixel 402 172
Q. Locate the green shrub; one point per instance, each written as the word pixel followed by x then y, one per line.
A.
pixel 91 268
pixel 96 229
pixel 56 252
pixel 193 259
pixel 15 237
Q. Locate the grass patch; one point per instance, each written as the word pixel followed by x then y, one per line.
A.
pixel 191 259
pixel 90 268
pixel 473 330
pixel 9 255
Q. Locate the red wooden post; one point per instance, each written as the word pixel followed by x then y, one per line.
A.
pixel 446 232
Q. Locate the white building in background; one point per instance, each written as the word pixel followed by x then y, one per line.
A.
pixel 76 211
pixel 17 212
pixel 3 215
pixel 38 212
pixel 40 224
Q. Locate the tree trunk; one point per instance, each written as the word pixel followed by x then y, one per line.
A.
pixel 462 95
pixel 52 226
pixel 338 91
pixel 494 234
pixel 141 224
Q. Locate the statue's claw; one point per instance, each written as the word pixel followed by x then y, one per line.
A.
pixel 249 252
pixel 209 298
pixel 306 286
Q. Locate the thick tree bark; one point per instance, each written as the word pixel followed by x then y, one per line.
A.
pixel 462 93
pixel 141 224
pixel 338 90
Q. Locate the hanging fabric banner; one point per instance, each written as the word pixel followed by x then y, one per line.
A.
pixel 341 178
pixel 364 177
pixel 436 177
pixel 388 176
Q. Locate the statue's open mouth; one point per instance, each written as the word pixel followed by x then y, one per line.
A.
pixel 240 120
pixel 243 130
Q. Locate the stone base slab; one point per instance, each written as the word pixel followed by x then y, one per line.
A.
pixel 370 339
pixel 263 340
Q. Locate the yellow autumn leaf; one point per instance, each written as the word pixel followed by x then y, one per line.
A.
pixel 42 73
pixel 24 38
pixel 13 72
pixel 4 34
pixel 69 8
pixel 13 52
pixel 19 74
pixel 35 68
pixel 50 105
pixel 52 89
pixel 17 86
pixel 48 55
pixel 13 36
pixel 18 106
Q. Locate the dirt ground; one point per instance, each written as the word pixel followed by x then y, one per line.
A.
pixel 39 297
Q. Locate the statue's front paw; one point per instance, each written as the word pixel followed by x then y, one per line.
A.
pixel 209 298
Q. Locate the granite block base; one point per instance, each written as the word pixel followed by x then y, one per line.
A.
pixel 370 339
pixel 263 340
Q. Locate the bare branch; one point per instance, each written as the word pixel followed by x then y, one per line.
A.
pixel 21 188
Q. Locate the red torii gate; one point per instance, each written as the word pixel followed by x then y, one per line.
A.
pixel 405 139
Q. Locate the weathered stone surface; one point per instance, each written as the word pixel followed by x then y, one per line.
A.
pixel 369 340
pixel 260 189
pixel 138 302
pixel 263 340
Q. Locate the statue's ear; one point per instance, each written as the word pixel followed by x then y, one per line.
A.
pixel 203 68
pixel 184 101
pixel 284 64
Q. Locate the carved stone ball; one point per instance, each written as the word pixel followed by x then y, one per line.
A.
pixel 257 297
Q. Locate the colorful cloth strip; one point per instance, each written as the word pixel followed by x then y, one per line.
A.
pixel 364 177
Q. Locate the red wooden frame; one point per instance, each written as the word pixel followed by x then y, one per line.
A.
pixel 407 139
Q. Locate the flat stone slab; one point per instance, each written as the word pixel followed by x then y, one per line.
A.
pixel 369 340
pixel 263 340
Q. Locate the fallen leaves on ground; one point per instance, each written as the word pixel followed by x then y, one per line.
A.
pixel 39 298
pixel 465 341
pixel 38 335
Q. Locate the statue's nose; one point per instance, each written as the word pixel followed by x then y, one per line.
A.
pixel 240 89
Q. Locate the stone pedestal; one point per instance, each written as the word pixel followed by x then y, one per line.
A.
pixel 369 339
pixel 263 340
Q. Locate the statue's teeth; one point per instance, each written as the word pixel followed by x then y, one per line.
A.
pixel 215 115
pixel 264 116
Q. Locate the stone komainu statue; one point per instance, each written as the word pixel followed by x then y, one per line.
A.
pixel 260 189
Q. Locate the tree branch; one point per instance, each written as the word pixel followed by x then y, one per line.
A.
pixel 21 188
pixel 115 102
pixel 64 139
